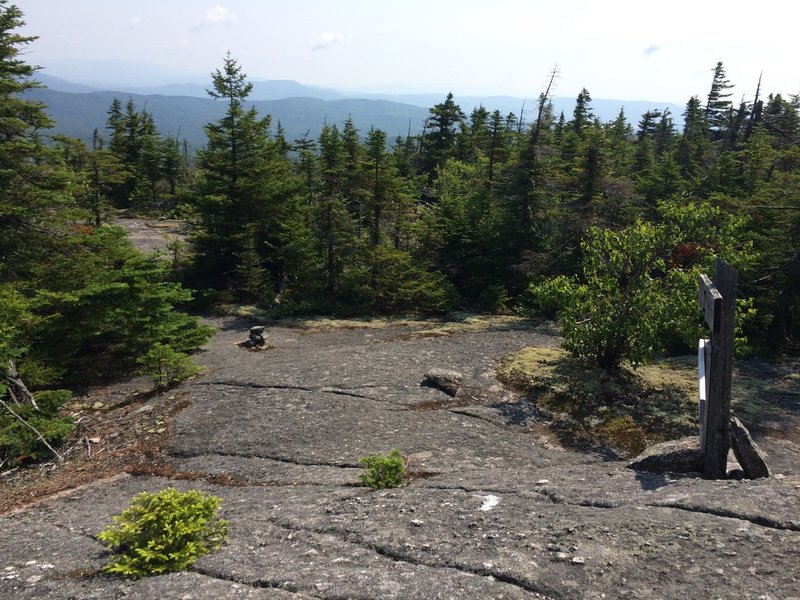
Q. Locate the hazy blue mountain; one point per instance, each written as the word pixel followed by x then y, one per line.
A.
pixel 126 77
pixel 62 85
pixel 277 89
pixel 113 74
pixel 183 109
pixel 78 114
pixel 605 110
pixel 71 75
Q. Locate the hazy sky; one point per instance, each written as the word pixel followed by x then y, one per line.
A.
pixel 629 50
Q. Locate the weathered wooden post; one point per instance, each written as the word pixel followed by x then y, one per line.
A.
pixel 718 301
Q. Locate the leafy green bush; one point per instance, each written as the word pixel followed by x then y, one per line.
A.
pixel 615 312
pixel 165 366
pixel 384 471
pixel 637 293
pixel 18 442
pixel 163 532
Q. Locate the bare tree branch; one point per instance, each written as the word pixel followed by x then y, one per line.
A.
pixel 32 428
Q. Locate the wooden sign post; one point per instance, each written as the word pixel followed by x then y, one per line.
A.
pixel 718 301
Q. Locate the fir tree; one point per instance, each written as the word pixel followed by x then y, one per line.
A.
pixel 718 104
pixel 439 138
pixel 244 195
pixel 84 303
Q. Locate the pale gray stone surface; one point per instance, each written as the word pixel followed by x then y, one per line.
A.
pixel 490 513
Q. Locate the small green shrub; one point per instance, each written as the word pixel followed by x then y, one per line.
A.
pixel 166 366
pixel 494 299
pixel 384 471
pixel 164 532
pixel 19 443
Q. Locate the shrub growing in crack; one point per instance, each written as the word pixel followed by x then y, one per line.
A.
pixel 384 471
pixel 163 532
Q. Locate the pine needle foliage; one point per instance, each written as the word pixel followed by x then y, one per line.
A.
pixel 163 532
pixel 384 471
pixel 166 366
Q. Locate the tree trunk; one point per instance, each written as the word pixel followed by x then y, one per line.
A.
pixel 16 387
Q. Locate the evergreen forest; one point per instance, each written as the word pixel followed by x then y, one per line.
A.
pixel 605 225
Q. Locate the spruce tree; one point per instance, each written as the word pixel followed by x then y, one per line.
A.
pixel 28 190
pixel 377 174
pixel 439 139
pixel 582 116
pixel 244 196
pixel 693 143
pixel 78 301
pixel 718 105
pixel 333 224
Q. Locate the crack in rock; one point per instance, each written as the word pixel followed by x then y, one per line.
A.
pixel 257 583
pixel 759 520
pixel 296 462
pixel 482 572
pixel 461 411
pixel 259 386
pixel 300 388
pixel 472 490
pixel 343 392
pixel 357 539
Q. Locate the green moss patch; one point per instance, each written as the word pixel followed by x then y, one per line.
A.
pixel 625 412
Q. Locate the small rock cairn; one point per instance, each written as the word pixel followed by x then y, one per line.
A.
pixel 255 340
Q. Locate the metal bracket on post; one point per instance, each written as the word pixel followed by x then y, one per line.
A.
pixel 703 359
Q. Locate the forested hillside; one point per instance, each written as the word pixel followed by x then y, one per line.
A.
pixel 474 211
pixel 183 110
pixel 78 114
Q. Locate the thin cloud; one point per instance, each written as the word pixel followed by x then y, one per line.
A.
pixel 652 49
pixel 216 15
pixel 181 43
pixel 327 39
pixel 135 22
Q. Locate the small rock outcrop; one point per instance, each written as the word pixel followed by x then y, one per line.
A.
pixel 684 456
pixel 447 381
pixel 675 456
pixel 750 457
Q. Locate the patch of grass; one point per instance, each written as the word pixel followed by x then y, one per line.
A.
pixel 459 323
pixel 454 323
pixel 320 324
pixel 626 412
pixel 466 323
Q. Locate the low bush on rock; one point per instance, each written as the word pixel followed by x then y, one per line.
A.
pixel 163 532
pixel 384 471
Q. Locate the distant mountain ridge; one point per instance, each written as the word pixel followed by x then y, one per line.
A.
pixel 79 114
pixel 183 109
pixel 274 89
